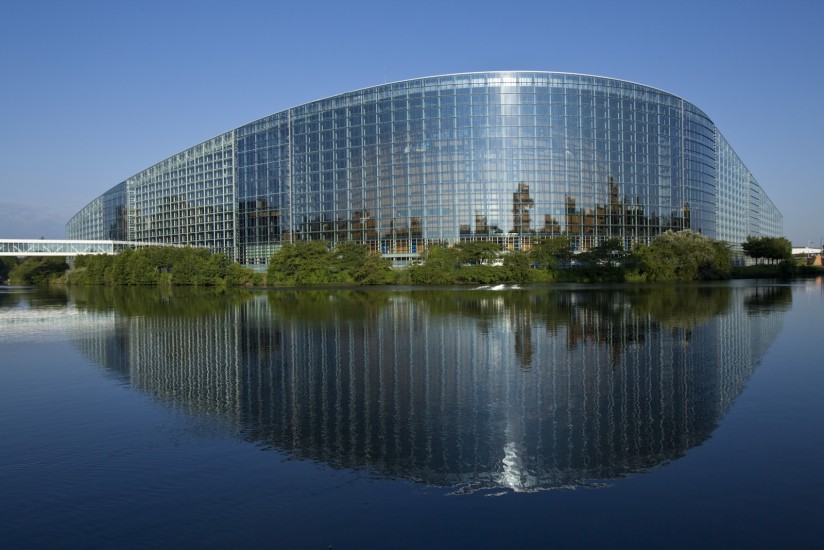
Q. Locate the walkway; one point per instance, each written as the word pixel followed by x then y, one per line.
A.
pixel 45 247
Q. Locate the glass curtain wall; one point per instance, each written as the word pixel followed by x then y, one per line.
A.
pixel 187 199
pixel 502 156
pixel 104 218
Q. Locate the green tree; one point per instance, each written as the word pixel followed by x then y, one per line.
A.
pixel 482 274
pixel 302 263
pixel 682 256
pixel 37 270
pixel 720 267
pixel 516 267
pixel 477 252
pixel 549 252
pixel 7 263
pixel 237 275
pixel 755 247
pixel 440 266
pixel 349 255
pixel 121 266
pixel 374 270
pixel 141 270
pixel 191 268
pixel 605 262
pixel 180 266
pixel 768 248
pixel 92 269
pixel 214 269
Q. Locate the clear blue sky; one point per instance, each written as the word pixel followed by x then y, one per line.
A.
pixel 94 92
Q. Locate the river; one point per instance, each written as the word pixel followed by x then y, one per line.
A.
pixel 485 417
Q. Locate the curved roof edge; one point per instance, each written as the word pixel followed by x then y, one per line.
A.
pixel 429 77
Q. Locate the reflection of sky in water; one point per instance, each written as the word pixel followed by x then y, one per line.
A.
pixel 49 324
pixel 513 475
pixel 518 390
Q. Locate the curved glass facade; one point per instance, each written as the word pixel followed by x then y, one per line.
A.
pixel 505 156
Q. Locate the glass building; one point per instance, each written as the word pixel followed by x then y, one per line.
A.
pixel 503 156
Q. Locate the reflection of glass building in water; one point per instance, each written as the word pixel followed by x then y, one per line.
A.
pixel 522 391
pixel 505 156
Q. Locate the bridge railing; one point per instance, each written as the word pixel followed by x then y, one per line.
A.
pixel 49 247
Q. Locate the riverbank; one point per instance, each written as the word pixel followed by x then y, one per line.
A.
pixel 671 257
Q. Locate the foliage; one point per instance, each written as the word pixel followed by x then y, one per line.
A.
pixel 545 276
pixel 301 263
pixel 606 262
pixel 92 269
pixel 37 270
pixel 477 252
pixel 198 267
pixel 440 267
pixel 237 275
pixel 349 254
pixel 6 265
pixel 720 268
pixel 768 248
pixel 354 263
pixel 782 270
pixel 161 265
pixel 516 267
pixel 120 267
pixel 374 270
pixel 444 265
pixel 309 263
pixel 550 252
pixel 683 256
pixel 481 274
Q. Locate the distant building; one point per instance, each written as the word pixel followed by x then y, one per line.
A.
pixel 501 156
pixel 810 254
pixel 799 250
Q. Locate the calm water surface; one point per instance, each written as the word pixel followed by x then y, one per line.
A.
pixel 486 418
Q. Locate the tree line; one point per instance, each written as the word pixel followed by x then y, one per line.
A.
pixel 306 263
pixel 774 249
pixel 681 256
pixel 160 265
pixel 35 270
pixel 672 256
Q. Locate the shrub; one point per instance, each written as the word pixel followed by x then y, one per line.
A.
pixel 683 256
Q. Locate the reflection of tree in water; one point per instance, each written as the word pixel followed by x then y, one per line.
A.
pixel 10 297
pixel 683 307
pixel 314 305
pixel 429 385
pixel 43 296
pixel 766 299
pixel 161 301
pixel 586 315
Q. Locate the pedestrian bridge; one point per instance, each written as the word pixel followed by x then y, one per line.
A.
pixel 46 247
